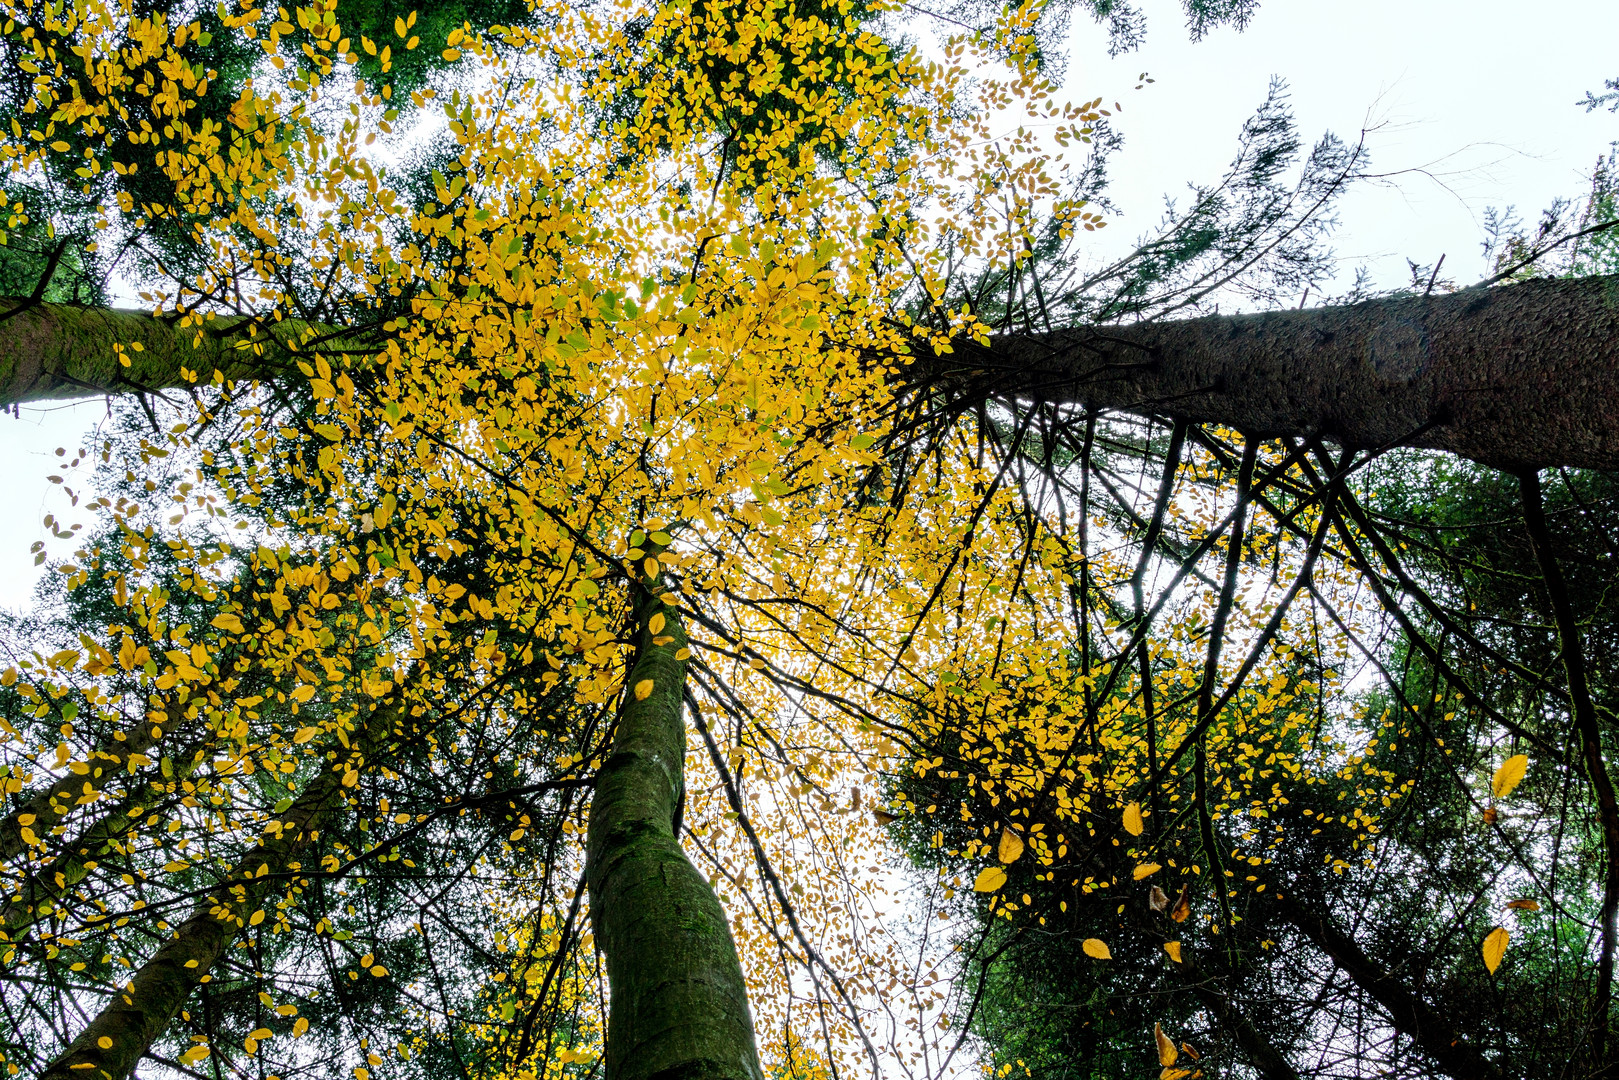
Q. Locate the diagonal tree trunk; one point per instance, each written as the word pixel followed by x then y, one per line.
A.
pixel 122 1033
pixel 41 891
pixel 36 817
pixel 679 1005
pixel 52 352
pixel 1411 1016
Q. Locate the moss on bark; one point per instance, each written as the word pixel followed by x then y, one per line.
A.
pixel 679 1007
pixel 56 351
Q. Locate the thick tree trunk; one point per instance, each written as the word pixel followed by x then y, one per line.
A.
pixel 679 1005
pixel 1515 377
pixel 1411 1016
pixel 52 352
pixel 116 1040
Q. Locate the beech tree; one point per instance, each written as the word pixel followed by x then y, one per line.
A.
pixel 701 388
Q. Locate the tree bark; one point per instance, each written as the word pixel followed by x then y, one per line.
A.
pixel 679 1005
pixel 52 352
pixel 1516 377
pixel 122 1033
pixel 1411 1016
pixel 1521 376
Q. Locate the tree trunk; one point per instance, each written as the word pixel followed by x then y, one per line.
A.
pixel 116 1040
pixel 1411 1016
pixel 42 890
pixel 679 1005
pixel 36 817
pixel 1516 377
pixel 52 352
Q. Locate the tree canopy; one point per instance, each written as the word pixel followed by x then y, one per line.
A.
pixel 595 476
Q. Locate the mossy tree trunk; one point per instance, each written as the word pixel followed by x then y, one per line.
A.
pixel 679 1005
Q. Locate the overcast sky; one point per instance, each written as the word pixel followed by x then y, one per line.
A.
pixel 1479 93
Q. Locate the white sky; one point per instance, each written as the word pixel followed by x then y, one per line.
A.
pixel 1481 93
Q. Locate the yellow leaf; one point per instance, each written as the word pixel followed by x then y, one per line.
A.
pixel 1011 846
pixel 989 879
pixel 1096 949
pixel 1166 1046
pixel 301 1026
pixel 304 734
pixel 1524 905
pixel 1173 948
pixel 643 689
pixel 1509 775
pixel 1495 947
pixel 651 567
pixel 655 624
pixel 256 918
pixel 1146 870
pixel 303 693
pixel 104 1042
pixel 227 621
pixel 385 510
pixel 1132 819
pixel 379 971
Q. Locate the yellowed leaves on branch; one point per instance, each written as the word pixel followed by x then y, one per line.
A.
pixel 1096 949
pixel 643 689
pixel 1145 870
pixel 1173 948
pixel 1010 848
pixel 1132 819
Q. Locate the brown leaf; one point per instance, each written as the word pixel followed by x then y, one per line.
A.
pixel 1525 904
pixel 884 818
pixel 1158 900
pixel 1183 906
pixel 1490 815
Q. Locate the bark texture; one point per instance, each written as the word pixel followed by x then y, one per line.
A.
pixel 121 1034
pixel 51 352
pixel 1412 1016
pixel 679 1005
pixel 1516 377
